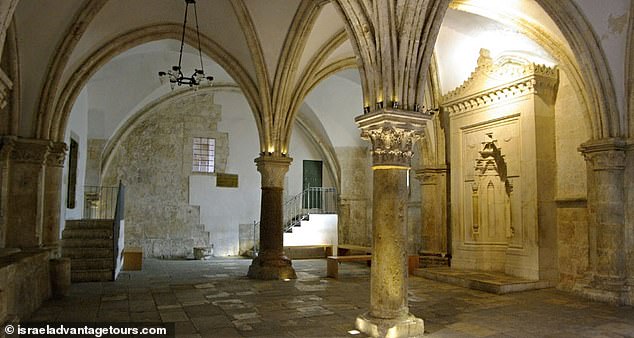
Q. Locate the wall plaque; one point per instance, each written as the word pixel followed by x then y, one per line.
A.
pixel 226 180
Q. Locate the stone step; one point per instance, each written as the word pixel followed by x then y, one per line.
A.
pixel 87 243
pixel 493 282
pixel 89 224
pixel 87 233
pixel 433 261
pixel 78 264
pixel 101 275
pixel 87 253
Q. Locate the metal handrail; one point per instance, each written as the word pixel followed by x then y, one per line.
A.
pixel 100 202
pixel 312 200
pixel 117 233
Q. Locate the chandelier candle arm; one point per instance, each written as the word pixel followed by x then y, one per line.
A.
pixel 175 75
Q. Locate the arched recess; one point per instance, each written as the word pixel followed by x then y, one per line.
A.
pixel 592 62
pixel 53 126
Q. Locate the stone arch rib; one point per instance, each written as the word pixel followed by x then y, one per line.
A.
pixel 394 43
pixel 592 63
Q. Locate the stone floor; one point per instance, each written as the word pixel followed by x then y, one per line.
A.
pixel 214 299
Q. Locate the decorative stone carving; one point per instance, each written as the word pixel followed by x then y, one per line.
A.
pixel 501 220
pixel 56 154
pixel 505 79
pixel 605 154
pixel 273 169
pixel 6 147
pixel 30 151
pixel 491 192
pixel 392 133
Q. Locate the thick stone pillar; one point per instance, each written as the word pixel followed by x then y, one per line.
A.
pixel 607 275
pixel 24 211
pixel 52 195
pixel 392 133
pixel 271 262
pixel 433 186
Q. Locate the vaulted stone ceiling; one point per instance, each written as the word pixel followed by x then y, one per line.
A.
pixel 276 51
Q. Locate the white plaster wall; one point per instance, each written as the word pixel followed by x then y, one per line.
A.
pixel 609 20
pixel 319 230
pixel 132 78
pixel 222 210
pixel 337 101
pixel 78 128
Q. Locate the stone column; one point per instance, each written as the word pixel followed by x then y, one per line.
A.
pixel 392 133
pixel 271 262
pixel 24 212
pixel 52 195
pixel 606 220
pixel 433 186
pixel 6 148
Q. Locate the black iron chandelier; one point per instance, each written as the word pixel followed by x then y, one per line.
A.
pixel 175 75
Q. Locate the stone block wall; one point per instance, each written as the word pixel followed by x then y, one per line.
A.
pixel 24 283
pixel 154 160
pixel 355 209
pixel 573 241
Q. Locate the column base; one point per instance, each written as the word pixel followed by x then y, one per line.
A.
pixel 609 290
pixel 277 268
pixel 407 326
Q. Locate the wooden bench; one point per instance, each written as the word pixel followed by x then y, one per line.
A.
pixel 332 268
pixel 308 251
pixel 349 249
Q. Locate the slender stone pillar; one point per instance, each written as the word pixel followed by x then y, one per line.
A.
pixel 392 133
pixel 6 148
pixel 271 262
pixel 433 186
pixel 24 213
pixel 52 195
pixel 606 220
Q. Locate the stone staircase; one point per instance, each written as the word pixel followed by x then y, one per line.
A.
pixel 89 245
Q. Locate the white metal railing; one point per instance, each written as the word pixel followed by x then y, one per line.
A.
pixel 313 200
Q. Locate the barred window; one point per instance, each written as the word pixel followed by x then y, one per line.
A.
pixel 204 153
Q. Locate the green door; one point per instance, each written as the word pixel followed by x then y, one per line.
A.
pixel 312 171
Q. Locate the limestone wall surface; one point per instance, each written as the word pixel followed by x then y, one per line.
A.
pixel 154 161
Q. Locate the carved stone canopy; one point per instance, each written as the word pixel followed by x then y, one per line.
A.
pixel 506 78
pixel 392 133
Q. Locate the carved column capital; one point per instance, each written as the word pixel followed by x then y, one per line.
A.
pixel 605 154
pixel 428 175
pixel 392 133
pixel 273 169
pixel 56 154
pixel 30 151
pixel 6 147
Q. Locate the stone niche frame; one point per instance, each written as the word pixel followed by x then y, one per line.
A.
pixel 509 105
